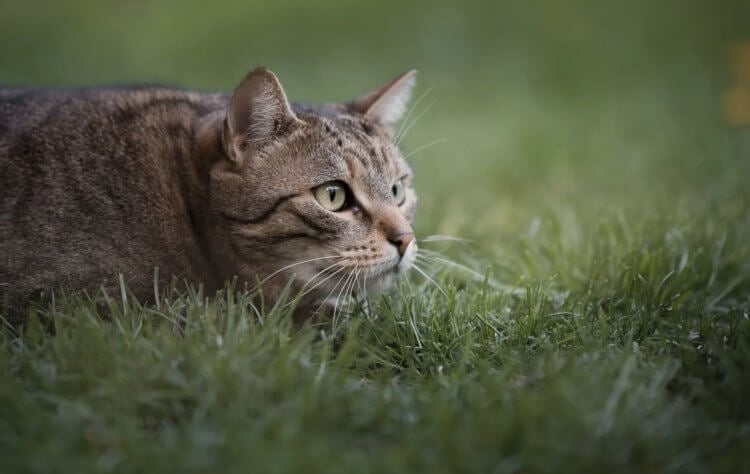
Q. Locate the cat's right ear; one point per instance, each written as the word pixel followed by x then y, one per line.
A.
pixel 388 103
pixel 258 112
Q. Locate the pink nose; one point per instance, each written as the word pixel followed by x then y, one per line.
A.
pixel 402 240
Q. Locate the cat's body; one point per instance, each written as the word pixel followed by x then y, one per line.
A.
pixel 205 187
pixel 102 180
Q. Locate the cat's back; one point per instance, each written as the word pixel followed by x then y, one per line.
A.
pixel 96 180
pixel 64 143
pixel 81 112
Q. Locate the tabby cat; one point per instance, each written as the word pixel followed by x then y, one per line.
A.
pixel 101 182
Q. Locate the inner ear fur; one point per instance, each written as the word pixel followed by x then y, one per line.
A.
pixel 258 112
pixel 388 103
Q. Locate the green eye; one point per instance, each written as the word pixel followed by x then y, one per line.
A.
pixel 332 196
pixel 399 193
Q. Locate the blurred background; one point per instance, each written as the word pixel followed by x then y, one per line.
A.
pixel 578 108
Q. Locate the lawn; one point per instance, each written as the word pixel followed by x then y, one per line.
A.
pixel 592 157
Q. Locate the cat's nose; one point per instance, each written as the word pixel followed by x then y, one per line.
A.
pixel 402 240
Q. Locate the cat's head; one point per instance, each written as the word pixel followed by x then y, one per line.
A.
pixel 317 195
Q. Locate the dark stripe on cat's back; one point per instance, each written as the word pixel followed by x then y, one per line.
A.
pixel 263 217
pixel 130 112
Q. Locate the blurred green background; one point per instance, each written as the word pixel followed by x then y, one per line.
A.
pixel 529 107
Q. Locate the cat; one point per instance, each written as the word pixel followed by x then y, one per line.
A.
pixel 154 182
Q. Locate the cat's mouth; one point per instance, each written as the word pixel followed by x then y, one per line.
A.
pixel 409 257
pixel 381 276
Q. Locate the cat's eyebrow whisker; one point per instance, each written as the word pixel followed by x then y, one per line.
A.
pixel 429 278
pixel 424 147
pixel 414 122
pixel 408 114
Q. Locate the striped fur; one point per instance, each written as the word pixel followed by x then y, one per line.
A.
pixel 206 187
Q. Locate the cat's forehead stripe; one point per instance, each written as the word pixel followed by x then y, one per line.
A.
pixel 350 166
pixel 365 154
pixel 376 159
pixel 369 152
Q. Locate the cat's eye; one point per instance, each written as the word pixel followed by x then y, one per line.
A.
pixel 332 196
pixel 399 193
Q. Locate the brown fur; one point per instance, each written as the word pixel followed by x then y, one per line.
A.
pixel 206 187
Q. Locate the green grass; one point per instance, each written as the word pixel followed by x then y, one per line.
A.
pixel 583 151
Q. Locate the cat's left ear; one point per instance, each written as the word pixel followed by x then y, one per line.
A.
pixel 258 112
pixel 388 103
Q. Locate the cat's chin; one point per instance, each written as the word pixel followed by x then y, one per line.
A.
pixel 375 286
pixel 369 283
pixel 385 280
pixel 335 304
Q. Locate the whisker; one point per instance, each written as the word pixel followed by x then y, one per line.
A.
pixel 324 280
pixel 439 256
pixel 513 289
pixel 432 253
pixel 453 264
pixel 365 297
pixel 424 253
pixel 338 297
pixel 305 292
pixel 351 297
pixel 323 301
pixel 443 238
pixel 424 147
pixel 428 253
pixel 408 283
pixel 321 272
pixel 294 265
pixel 429 265
pixel 361 287
pixel 350 292
pixel 424 274
pixel 408 114
pixel 414 122
pixel 334 318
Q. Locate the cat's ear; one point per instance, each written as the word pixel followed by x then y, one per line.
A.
pixel 388 103
pixel 257 113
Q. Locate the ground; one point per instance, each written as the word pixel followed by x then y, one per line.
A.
pixel 594 156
